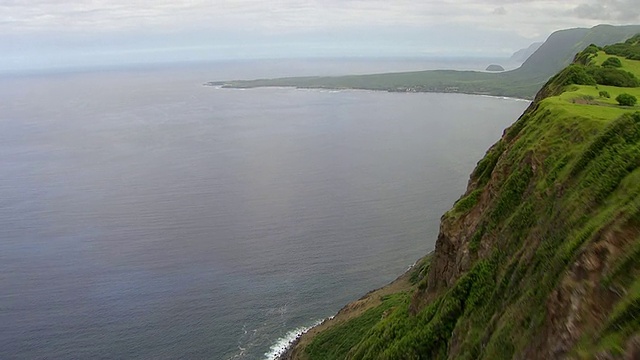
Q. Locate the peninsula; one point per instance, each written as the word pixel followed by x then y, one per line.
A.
pixel 523 82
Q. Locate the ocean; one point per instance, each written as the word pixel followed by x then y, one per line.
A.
pixel 144 215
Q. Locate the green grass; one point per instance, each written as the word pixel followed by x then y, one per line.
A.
pixel 420 271
pixel 426 335
pixel 467 203
pixel 584 100
pixel 336 342
pixel 511 193
pixel 632 66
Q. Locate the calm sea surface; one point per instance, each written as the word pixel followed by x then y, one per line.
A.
pixel 143 215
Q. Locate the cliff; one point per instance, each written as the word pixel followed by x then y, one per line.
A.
pixel 540 258
pixel 523 54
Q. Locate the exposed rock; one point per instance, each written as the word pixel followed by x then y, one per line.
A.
pixel 633 348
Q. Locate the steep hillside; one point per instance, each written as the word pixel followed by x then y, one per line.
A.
pixel 559 49
pixel 556 53
pixel 523 54
pixel 540 258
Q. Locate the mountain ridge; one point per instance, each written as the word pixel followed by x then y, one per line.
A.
pixel 523 54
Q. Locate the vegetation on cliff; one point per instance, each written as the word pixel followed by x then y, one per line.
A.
pixel 540 258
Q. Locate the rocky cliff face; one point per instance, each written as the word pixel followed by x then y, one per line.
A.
pixel 561 222
pixel 539 259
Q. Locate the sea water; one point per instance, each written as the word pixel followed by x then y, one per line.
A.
pixel 145 215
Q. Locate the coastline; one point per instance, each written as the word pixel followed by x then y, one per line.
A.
pixel 287 342
pixel 373 298
pixel 231 86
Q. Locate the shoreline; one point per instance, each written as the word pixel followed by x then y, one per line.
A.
pixel 221 85
pixel 351 310
pixel 284 344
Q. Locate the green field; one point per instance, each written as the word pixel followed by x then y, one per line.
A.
pixel 585 101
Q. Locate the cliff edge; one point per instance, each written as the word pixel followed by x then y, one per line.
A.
pixel 540 258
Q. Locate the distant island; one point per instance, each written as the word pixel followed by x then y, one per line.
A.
pixel 495 67
pixel 524 82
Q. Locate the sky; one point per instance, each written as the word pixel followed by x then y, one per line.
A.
pixel 58 33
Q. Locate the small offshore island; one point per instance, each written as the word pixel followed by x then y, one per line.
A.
pixel 540 258
pixel 495 68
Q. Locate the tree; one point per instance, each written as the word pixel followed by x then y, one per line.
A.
pixel 626 99
pixel 604 94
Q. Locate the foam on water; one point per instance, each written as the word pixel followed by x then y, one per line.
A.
pixel 281 346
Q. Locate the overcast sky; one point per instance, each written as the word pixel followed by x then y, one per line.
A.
pixel 49 33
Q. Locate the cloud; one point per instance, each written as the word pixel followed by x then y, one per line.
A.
pixel 29 28
pixel 500 11
pixel 614 10
pixel 588 11
pixel 534 16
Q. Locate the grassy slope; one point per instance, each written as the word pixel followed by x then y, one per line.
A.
pixel 564 180
pixel 335 336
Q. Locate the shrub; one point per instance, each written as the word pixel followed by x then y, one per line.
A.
pixel 612 62
pixel 466 203
pixel 612 76
pixel 576 74
pixel 604 94
pixel 630 49
pixel 626 99
pixel 585 56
